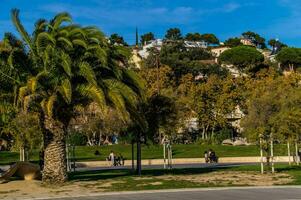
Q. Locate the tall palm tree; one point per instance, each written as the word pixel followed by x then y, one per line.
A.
pixel 73 66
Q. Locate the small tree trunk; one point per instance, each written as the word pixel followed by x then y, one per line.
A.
pixel 261 156
pixel 164 155
pixel 139 156
pixel 289 153
pixel 133 157
pixel 55 168
pixel 99 140
pixel 22 154
pixel 212 132
pixel 272 156
pixel 297 153
pixel 203 132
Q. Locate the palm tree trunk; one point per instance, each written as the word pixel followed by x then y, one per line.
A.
pixel 55 168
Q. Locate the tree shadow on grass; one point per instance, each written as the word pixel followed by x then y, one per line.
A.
pixel 288 169
pixel 118 173
pixel 98 174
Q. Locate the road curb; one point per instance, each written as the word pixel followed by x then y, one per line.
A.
pixel 170 191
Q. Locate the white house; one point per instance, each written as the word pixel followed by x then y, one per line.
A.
pixel 157 43
pixel 195 44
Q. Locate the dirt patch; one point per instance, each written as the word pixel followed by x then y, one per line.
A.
pixel 150 184
pixel 234 178
pixel 110 183
pixel 34 189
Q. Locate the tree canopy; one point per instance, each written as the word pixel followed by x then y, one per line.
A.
pixel 210 38
pixel 233 42
pixel 255 38
pixel 117 39
pixel 173 34
pixel 193 37
pixel 290 58
pixel 243 57
pixel 147 37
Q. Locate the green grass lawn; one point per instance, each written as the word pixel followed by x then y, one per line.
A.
pixel 124 180
pixel 85 153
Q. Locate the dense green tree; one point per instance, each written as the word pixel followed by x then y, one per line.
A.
pixel 289 58
pixel 275 43
pixel 117 39
pixel 173 34
pixel 147 37
pixel 272 112
pixel 193 37
pixel 183 60
pixel 14 69
pixel 158 80
pixel 160 113
pixel 216 98
pixel 26 131
pixel 73 66
pixel 210 38
pixel 243 57
pixel 255 38
pixel 233 42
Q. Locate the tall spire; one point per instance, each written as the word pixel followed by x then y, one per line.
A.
pixel 137 38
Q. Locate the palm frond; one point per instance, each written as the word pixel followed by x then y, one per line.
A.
pixel 65 42
pixel 40 26
pixel 49 105
pixel 23 91
pixel 66 90
pixel 32 84
pixel 76 32
pixel 28 100
pixel 127 94
pixel 79 42
pixel 92 92
pixel 20 28
pixel 134 81
pixel 59 19
pixel 117 101
pixel 66 63
pixel 99 53
pixel 87 72
pixel 44 39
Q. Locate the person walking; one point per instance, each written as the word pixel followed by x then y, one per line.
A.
pixel 112 158
pixel 206 156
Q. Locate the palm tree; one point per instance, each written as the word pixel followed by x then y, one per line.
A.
pixel 73 66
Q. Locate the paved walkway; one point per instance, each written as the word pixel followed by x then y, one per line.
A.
pixel 149 162
pixel 247 193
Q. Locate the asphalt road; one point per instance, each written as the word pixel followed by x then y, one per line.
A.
pixel 279 193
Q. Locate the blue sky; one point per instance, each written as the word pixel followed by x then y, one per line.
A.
pixel 226 18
